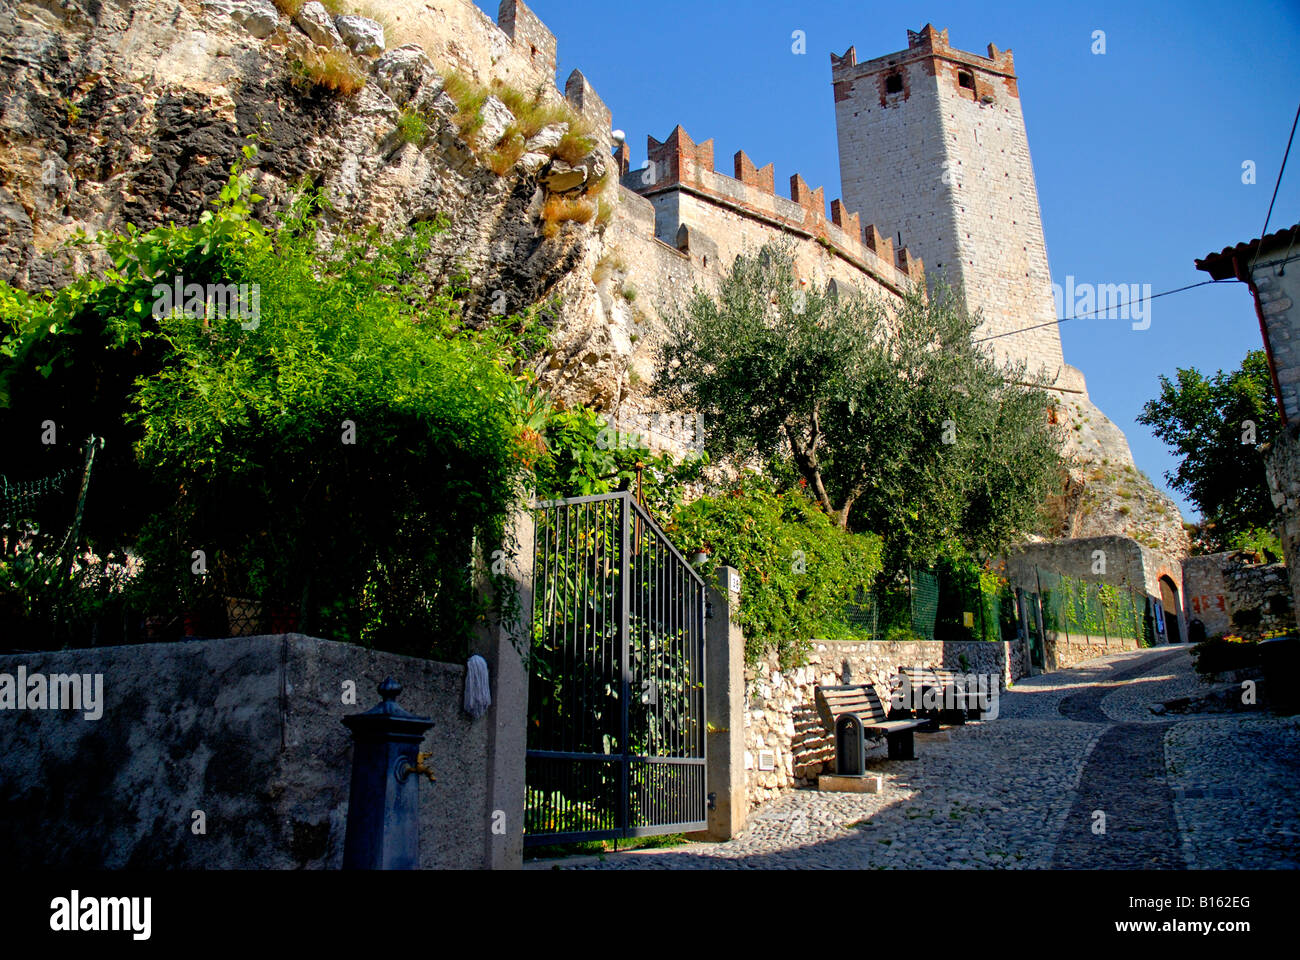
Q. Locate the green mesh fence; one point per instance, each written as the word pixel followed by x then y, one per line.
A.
pixel 20 498
pixel 863 614
pixel 949 603
pixel 925 603
pixel 1073 605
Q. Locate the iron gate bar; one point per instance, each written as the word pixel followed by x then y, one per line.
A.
pixel 624 623
pixel 612 585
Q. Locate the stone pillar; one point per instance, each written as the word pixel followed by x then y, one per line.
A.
pixel 724 694
pixel 504 645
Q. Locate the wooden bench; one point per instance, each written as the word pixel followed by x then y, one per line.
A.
pixel 862 701
pixel 949 686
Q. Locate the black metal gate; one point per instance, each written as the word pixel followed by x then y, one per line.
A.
pixel 616 725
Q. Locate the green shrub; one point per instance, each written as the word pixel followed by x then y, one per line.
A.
pixel 584 456
pixel 413 126
pixel 337 457
pixel 797 565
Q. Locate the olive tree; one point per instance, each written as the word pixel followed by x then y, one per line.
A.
pixel 895 420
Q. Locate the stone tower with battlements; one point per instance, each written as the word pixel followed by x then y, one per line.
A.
pixel 932 143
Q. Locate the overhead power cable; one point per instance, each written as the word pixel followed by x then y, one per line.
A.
pixel 1269 216
pixel 1080 316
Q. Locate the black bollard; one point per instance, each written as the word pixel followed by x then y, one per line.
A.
pixel 383 831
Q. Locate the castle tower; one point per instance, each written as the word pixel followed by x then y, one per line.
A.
pixel 933 145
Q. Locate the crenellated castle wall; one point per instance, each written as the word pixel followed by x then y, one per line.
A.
pixel 713 215
pixel 932 142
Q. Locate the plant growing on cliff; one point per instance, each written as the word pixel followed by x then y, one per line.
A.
pixel 332 71
pixel 413 126
pixel 798 565
pixel 560 210
pixel 1219 428
pixel 469 97
pixel 894 418
pixel 531 114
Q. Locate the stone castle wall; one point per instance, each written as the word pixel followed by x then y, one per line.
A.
pixel 948 167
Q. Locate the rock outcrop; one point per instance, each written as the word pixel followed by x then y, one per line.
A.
pixel 119 113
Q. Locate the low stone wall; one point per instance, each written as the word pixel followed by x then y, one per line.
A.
pixel 1067 649
pixel 781 712
pixel 246 730
pixel 1229 594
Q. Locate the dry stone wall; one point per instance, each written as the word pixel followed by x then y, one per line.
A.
pixel 1061 650
pixel 781 712
pixel 1230 593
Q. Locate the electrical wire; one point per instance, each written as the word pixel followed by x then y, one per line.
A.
pixel 1080 316
pixel 1263 233
pixel 1269 216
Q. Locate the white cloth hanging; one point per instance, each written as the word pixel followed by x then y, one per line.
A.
pixel 478 695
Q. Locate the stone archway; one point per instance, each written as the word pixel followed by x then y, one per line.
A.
pixel 1169 599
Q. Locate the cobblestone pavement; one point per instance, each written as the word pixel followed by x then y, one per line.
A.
pixel 1022 791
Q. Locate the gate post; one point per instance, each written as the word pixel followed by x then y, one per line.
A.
pixel 724 694
pixel 505 645
pixel 383 831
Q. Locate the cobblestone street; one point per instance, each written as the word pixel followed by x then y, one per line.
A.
pixel 1025 790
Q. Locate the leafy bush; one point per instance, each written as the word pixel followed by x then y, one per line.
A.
pixel 798 565
pixel 49 594
pixel 1220 426
pixel 584 456
pixel 337 456
pixel 1261 541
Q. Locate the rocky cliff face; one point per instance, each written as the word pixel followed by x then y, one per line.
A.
pixel 118 113
pixel 1105 493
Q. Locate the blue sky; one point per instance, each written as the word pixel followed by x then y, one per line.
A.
pixel 1138 152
